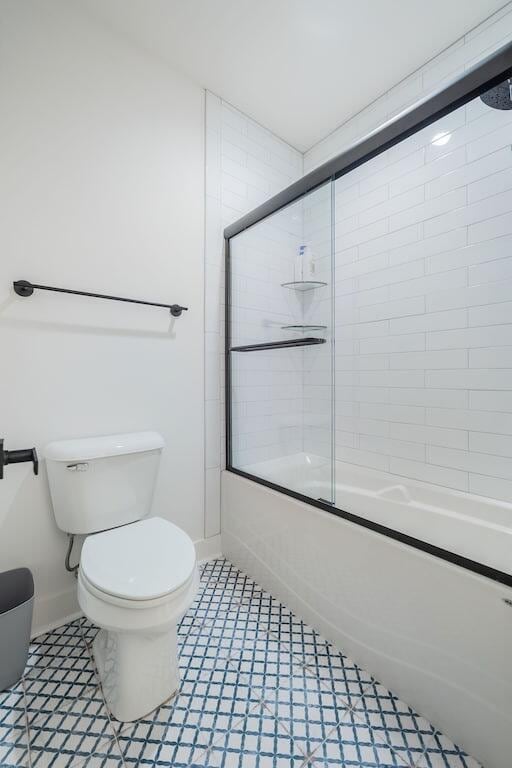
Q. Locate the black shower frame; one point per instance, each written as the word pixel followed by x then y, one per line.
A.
pixel 488 73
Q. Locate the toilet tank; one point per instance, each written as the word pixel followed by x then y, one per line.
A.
pixel 97 483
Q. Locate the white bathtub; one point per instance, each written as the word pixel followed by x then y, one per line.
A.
pixel 475 527
pixel 420 624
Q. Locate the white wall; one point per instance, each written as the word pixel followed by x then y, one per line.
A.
pixel 423 280
pixel 101 188
pixel 245 165
pixel 318 306
pixel 450 64
pixel 267 387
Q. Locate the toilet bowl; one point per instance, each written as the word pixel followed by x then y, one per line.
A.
pixel 137 574
pixel 135 583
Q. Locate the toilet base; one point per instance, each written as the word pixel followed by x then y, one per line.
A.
pixel 138 671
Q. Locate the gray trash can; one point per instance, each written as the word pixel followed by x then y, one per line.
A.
pixel 16 602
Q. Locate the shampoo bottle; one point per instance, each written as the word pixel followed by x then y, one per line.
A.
pixel 299 264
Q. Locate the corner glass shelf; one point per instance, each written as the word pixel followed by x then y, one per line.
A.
pixel 303 327
pixel 303 285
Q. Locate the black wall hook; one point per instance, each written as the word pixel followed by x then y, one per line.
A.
pixel 17 457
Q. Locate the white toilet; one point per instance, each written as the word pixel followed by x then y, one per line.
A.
pixel 137 576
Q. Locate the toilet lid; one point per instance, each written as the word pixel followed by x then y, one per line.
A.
pixel 141 561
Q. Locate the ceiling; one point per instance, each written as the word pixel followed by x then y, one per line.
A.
pixel 298 67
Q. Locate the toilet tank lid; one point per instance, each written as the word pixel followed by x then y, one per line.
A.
pixel 88 448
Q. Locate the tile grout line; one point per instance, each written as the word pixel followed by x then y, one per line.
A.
pixel 27 727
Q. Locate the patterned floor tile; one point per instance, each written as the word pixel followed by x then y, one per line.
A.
pixel 103 754
pixel 303 641
pixel 65 707
pixel 235 585
pixel 259 689
pixel 188 625
pixel 86 705
pixel 215 601
pixel 67 717
pixel 304 707
pixel 214 646
pixel 394 722
pixel 218 596
pixel 219 684
pixel 259 741
pixel 181 730
pixel 62 649
pixel 88 629
pixel 234 622
pixel 262 604
pixel 68 736
pixel 352 743
pixel 13 728
pixel 443 753
pixel 262 661
pixel 338 673
pixel 52 693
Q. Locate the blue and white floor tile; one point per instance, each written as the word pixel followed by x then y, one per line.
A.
pixel 259 689
pixel 14 749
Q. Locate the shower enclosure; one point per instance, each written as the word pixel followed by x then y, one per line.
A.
pixel 369 404
pixel 369 330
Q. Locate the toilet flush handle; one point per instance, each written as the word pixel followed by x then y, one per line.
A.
pixel 78 466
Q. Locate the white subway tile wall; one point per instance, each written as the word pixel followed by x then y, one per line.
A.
pixel 267 386
pixel 245 165
pixel 317 361
pixel 282 398
pixel 421 306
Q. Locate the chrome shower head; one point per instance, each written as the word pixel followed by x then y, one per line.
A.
pixel 499 97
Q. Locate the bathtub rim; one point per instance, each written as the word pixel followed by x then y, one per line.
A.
pixel 447 555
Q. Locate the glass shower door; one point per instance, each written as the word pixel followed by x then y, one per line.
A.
pixel 280 348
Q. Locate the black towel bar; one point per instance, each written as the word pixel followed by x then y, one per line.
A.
pixel 285 344
pixel 25 288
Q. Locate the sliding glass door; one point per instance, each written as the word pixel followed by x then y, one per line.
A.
pixel 280 326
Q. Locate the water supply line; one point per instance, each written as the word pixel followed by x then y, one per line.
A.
pixel 69 567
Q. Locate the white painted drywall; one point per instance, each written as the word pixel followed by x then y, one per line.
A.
pixel 101 188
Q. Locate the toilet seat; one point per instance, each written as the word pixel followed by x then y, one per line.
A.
pixel 138 563
pixel 111 601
